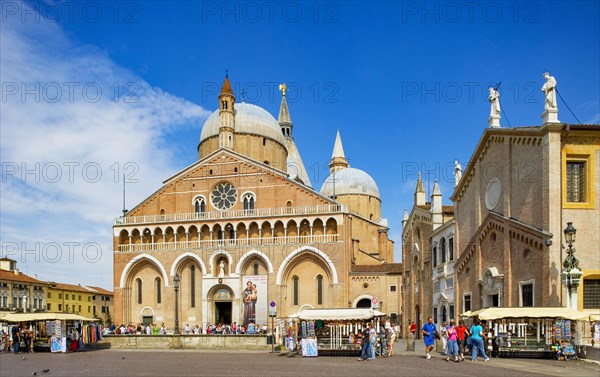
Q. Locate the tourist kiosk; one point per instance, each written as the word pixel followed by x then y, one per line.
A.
pixel 333 331
pixel 531 332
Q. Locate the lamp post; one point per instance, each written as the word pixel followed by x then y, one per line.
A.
pixel 176 280
pixel 571 274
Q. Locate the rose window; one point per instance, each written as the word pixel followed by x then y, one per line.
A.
pixel 223 196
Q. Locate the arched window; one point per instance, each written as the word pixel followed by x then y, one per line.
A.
pixel 200 205
pixel 255 268
pixel 249 200
pixel 434 256
pixel 443 249
pixel 193 286
pixel 319 290
pixel 138 283
pixel 296 286
pixel 158 293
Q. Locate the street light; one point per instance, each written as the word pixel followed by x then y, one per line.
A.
pixel 176 286
pixel 571 274
pixel 570 232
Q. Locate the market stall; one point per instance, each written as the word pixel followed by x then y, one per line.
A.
pixel 57 332
pixel 333 331
pixel 531 332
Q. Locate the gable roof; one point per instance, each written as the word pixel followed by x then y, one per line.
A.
pixel 241 157
pixel 19 277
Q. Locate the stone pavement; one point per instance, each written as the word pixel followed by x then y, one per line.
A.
pixel 252 363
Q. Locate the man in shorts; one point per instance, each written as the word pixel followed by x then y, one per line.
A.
pixel 428 331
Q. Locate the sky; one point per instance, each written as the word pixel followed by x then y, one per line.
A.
pixel 94 90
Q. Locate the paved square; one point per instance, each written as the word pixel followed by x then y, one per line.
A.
pixel 238 363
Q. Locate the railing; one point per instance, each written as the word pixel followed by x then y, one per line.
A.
pixel 216 215
pixel 228 243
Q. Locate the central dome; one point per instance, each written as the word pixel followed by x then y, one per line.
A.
pixel 349 181
pixel 248 119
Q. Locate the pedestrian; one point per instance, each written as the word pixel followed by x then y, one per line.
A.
pixel 364 344
pixel 391 343
pixel 452 345
pixel 16 337
pixel 411 339
pixel 461 334
pixel 429 331
pixel 26 338
pixel 477 341
pixel 372 340
pixel 187 329
pixel 444 338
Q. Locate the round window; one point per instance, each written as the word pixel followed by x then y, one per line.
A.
pixel 223 196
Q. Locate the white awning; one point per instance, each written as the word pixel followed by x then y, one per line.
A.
pixel 498 313
pixel 32 317
pixel 338 314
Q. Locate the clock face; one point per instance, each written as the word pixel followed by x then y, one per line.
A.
pixel 223 196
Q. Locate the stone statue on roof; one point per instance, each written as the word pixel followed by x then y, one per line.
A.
pixel 549 89
pixel 494 99
pixel 457 172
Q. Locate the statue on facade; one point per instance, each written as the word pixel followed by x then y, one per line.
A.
pixel 549 89
pixel 494 99
pixel 457 172
pixel 222 268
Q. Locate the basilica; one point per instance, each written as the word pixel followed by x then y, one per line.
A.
pixel 242 229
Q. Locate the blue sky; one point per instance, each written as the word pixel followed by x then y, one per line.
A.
pixel 405 82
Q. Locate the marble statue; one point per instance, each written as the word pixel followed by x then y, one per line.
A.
pixel 494 99
pixel 457 172
pixel 221 268
pixel 549 89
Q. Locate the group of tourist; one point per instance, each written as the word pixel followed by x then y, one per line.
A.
pixel 456 339
pixel 18 339
pixel 211 329
pixel 371 341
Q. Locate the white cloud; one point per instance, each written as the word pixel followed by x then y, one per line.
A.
pixel 67 136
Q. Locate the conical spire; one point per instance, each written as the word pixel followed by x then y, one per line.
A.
pixel 436 206
pixel 284 113
pixel 405 217
pixel 436 188
pixel 338 149
pixel 419 192
pixel 420 184
pixel 226 88
pixel 338 159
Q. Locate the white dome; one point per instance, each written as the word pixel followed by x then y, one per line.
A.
pixel 249 119
pixel 350 181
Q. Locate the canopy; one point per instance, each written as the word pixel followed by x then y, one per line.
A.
pixel 498 313
pixel 338 314
pixel 31 317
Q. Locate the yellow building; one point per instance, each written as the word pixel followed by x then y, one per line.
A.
pixel 19 292
pixel 102 301
pixel 69 298
pixel 244 223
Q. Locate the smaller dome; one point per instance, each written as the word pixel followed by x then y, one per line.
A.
pixel 350 181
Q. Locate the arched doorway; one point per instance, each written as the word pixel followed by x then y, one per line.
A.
pixel 364 303
pixel 147 316
pixel 222 304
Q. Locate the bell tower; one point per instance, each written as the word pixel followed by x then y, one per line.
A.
pixel 226 113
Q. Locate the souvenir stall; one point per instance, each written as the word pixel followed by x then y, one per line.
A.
pixel 532 332
pixel 57 332
pixel 333 331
